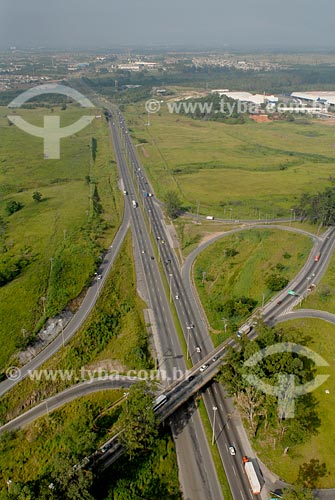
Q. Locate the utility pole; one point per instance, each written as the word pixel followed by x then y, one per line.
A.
pixel 188 341
pixel 170 285
pixel 213 434
pixel 61 324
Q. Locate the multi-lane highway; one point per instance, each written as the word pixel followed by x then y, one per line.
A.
pixel 195 332
pixel 201 480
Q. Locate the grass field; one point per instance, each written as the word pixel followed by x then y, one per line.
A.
pixel 61 236
pixel 191 232
pixel 321 446
pixel 239 171
pixel 121 346
pixel 219 277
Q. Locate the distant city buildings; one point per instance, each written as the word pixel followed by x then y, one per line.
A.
pixel 137 66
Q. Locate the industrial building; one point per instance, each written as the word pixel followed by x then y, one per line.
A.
pixel 315 97
pixel 247 97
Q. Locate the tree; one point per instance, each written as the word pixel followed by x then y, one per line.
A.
pixel 310 472
pixel 13 206
pixel 138 421
pixel 69 483
pixel 173 204
pixel 37 196
pixel 298 493
pixel 251 405
pixel 276 282
pixel 239 307
pixel 318 208
pixel 94 147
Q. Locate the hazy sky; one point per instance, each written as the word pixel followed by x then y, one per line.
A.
pixel 110 23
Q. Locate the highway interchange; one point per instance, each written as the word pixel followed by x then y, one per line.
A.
pixel 193 451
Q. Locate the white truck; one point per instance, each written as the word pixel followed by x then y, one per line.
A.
pixel 209 217
pixel 134 203
pixel 244 330
pixel 252 476
pixel 159 401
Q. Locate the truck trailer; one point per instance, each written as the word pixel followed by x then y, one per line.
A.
pixel 244 330
pixel 252 476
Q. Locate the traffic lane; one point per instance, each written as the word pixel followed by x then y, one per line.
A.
pixel 194 454
pixel 306 313
pixel 183 306
pixel 225 436
pixel 155 287
pixel 157 297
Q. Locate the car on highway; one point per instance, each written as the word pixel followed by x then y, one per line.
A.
pixel 293 293
pixel 99 276
pixel 214 358
pixel 152 257
pixel 198 348
pixel 203 367
pixel 177 297
pixel 105 447
pixel 317 257
pixel 190 378
pixel 232 450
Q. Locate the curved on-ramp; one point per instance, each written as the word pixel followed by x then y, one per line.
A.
pixel 66 396
pixel 305 313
